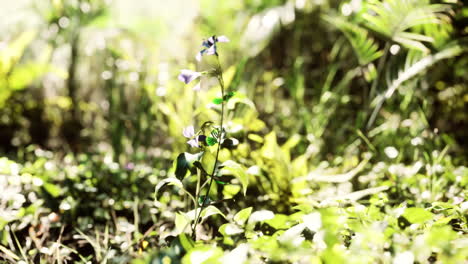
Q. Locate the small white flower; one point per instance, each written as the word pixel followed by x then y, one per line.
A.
pixel 210 46
pixel 189 132
pixel 187 76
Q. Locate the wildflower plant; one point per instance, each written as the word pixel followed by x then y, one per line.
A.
pixel 207 141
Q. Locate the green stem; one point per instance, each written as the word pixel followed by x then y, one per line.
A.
pixel 373 89
pixel 213 173
pixel 379 71
pixel 197 194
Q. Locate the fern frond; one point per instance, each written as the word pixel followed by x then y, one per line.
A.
pixel 365 48
pixel 410 70
pixel 394 18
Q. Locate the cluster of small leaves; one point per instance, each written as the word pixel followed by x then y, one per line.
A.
pixel 225 99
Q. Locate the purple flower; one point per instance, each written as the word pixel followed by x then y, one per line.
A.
pixel 187 76
pixel 130 166
pixel 189 132
pixel 193 142
pixel 210 46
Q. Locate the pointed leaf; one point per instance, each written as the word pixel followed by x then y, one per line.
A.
pixel 218 101
pixel 169 181
pixel 417 215
pixel 230 229
pixel 184 162
pixel 228 96
pixel 238 171
pixel 182 220
pixel 208 160
pixel 186 242
pixel 243 215
pixel 221 182
pixel 182 166
pixel 202 254
pixel 172 181
pixel 207 212
pixel 52 189
pixel 211 210
pixel 211 141
pixel 412 44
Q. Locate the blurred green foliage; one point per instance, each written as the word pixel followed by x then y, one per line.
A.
pixel 350 115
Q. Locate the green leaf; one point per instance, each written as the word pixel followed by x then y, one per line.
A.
pixel 182 166
pixel 203 254
pixel 182 220
pixel 256 138
pixel 230 229
pixel 186 242
pixel 417 215
pixel 183 163
pixel 225 98
pixel 230 190
pixel 211 141
pixel 365 48
pixel 238 171
pixel 221 182
pixel 211 210
pixel 218 100
pixel 391 18
pixel 175 182
pixel 25 74
pixel 441 237
pixel 207 212
pixel 168 181
pixel 280 221
pixel 260 216
pixel 215 133
pixel 410 70
pixel 243 215
pixel 52 189
pixel 228 96
pixel 208 160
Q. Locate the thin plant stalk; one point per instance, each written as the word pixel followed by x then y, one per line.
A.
pixel 379 72
pixel 219 75
pixel 373 89
pixel 197 194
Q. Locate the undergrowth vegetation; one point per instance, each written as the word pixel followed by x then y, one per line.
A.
pixel 297 132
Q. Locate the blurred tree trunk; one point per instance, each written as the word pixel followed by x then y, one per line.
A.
pixel 72 128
